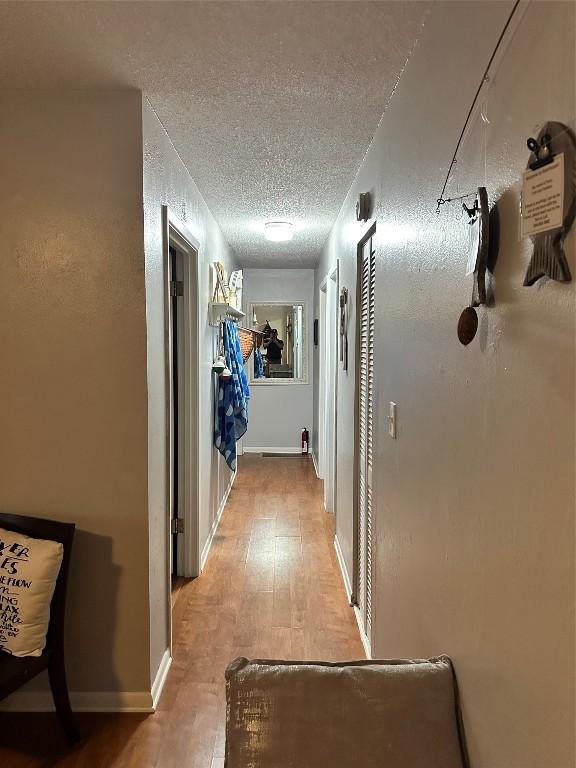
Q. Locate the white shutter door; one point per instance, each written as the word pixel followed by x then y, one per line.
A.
pixel 365 435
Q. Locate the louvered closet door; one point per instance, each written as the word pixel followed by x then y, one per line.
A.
pixel 365 435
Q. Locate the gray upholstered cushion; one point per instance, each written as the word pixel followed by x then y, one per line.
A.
pixel 364 714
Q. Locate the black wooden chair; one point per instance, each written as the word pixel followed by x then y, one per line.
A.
pixel 15 671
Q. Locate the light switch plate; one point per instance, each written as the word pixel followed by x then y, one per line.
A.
pixel 392 420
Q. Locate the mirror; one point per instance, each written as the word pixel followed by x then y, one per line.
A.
pixel 284 342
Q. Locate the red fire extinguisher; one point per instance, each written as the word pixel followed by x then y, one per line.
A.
pixel 304 440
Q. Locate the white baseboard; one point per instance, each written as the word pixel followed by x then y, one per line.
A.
pixel 94 701
pixel 363 638
pixel 348 587
pixel 343 569
pixel 315 465
pixel 216 523
pixel 288 451
pixel 161 675
pixel 82 701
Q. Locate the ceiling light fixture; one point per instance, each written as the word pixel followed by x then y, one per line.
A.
pixel 278 231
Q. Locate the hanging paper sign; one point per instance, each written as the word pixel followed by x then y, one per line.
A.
pixel 473 244
pixel 542 201
pixel 548 228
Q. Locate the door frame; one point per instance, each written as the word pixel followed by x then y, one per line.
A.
pixel 175 233
pixel 322 301
pixel 176 259
pixel 328 312
pixel 367 641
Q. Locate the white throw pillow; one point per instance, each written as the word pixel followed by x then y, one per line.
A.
pixel 28 572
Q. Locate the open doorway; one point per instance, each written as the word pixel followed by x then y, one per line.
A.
pixel 328 357
pixel 182 401
pixel 176 259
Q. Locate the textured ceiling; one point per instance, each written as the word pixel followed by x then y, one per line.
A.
pixel 271 105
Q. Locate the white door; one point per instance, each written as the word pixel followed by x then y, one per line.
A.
pixel 178 407
pixel 322 385
pixel 365 422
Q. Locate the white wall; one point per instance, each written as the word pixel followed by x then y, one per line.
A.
pixel 167 182
pixel 84 176
pixel 278 412
pixel 475 499
pixel 73 423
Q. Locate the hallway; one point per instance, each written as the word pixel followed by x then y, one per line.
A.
pixel 241 228
pixel 271 589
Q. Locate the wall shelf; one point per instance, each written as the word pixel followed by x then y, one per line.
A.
pixel 219 311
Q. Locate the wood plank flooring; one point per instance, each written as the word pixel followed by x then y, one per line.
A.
pixel 271 589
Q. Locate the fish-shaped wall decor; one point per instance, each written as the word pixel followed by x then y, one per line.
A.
pixel 549 256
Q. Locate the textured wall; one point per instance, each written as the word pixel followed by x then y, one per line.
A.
pixel 167 182
pixel 278 412
pixel 73 376
pixel 475 499
pixel 82 434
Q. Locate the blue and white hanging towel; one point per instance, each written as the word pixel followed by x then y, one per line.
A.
pixel 231 416
pixel 258 364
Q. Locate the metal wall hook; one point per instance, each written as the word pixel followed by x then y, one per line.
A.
pixel 542 151
pixel 472 212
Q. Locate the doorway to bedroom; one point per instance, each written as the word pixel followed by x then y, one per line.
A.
pixel 182 403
